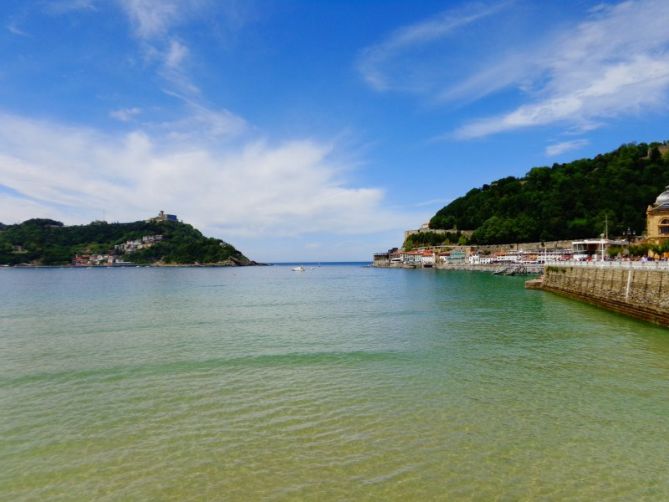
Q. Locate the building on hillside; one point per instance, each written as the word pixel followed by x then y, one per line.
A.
pixel 657 219
pixel 163 216
pixel 395 256
pixel 414 258
pixel 135 245
pixel 457 256
pixel 93 260
pixel 427 259
pixel 381 259
pixel 476 259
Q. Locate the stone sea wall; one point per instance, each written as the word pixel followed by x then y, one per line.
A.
pixel 637 290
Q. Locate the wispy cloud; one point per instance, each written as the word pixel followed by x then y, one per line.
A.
pixel 431 202
pixel 154 23
pixel 14 29
pixel 250 189
pixel 566 146
pixel 64 6
pixel 586 92
pixel 579 75
pixel 176 54
pixel 376 62
pixel 173 67
pixel 154 18
pixel 202 123
pixel 125 114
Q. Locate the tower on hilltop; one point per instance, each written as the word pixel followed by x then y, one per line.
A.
pixel 163 216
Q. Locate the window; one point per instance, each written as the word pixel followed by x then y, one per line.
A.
pixel 663 227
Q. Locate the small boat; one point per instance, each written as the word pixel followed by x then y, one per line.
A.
pixel 298 269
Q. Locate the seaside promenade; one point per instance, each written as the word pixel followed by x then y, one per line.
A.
pixel 635 288
pixel 638 289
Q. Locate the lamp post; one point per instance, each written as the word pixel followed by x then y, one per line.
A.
pixel 629 235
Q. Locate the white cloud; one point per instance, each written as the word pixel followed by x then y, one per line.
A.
pixel 566 146
pixel 173 69
pixel 125 114
pixel 375 62
pixel 13 28
pixel 154 22
pixel 15 209
pixel 176 54
pixel 431 202
pixel 154 18
pixel 254 189
pixel 587 92
pixel 201 123
pixel 579 75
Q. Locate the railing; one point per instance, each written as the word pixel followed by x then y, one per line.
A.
pixel 626 265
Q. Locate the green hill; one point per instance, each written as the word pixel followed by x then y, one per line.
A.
pixel 49 242
pixel 565 201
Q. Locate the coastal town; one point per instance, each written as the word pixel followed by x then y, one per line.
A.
pixel 115 257
pixel 529 255
pixel 532 257
pixel 599 271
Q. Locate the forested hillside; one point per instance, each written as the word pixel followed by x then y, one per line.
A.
pixel 49 242
pixel 564 201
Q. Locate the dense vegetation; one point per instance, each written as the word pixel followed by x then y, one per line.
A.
pixel 565 201
pixel 423 239
pixel 641 249
pixel 49 242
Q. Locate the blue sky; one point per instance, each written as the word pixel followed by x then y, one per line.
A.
pixel 311 130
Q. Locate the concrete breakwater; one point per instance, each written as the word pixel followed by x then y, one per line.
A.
pixel 639 290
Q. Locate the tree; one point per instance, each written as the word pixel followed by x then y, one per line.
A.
pixel 563 201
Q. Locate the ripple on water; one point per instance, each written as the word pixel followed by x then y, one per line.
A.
pixel 346 383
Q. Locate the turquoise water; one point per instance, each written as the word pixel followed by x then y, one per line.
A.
pixel 338 383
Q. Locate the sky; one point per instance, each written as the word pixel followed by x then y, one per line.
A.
pixel 311 130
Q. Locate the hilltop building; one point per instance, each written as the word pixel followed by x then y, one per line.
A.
pixel 162 216
pixel 657 219
pixel 425 228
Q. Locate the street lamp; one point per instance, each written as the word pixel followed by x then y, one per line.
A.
pixel 629 235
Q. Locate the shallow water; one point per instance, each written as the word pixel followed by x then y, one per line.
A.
pixel 338 383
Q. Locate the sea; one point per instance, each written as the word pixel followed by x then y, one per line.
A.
pixel 341 382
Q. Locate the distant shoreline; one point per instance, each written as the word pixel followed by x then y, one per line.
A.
pixel 195 265
pixel 153 265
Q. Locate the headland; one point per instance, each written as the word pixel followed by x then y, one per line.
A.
pixel 160 241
